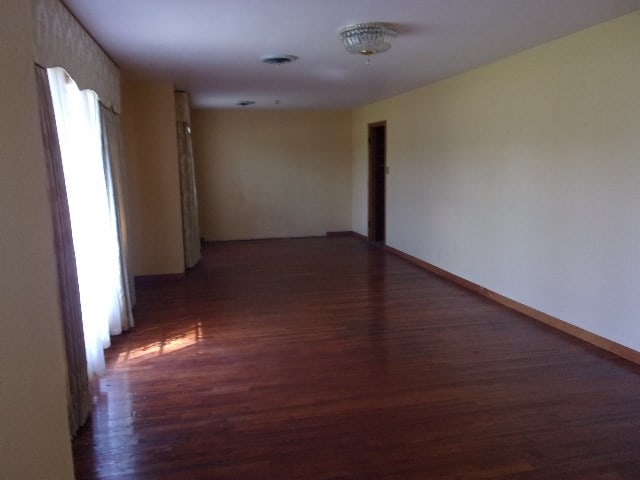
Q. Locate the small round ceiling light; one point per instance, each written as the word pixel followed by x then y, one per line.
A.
pixel 278 60
pixel 244 103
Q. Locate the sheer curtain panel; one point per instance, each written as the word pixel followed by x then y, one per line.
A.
pixel 114 178
pixel 79 395
pixel 94 231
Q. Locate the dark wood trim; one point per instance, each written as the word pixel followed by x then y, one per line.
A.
pixel 342 233
pixel 589 337
pixel 359 236
pixel 259 239
pixel 163 277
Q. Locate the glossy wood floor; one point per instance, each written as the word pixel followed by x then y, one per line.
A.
pixel 329 359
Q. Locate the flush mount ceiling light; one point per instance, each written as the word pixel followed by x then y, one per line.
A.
pixel 368 38
pixel 278 60
pixel 245 103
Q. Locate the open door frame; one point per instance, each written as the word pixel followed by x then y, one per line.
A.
pixel 377 181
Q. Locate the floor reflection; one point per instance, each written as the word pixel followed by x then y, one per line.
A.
pixel 117 444
pixel 184 339
pixel 377 318
pixel 115 413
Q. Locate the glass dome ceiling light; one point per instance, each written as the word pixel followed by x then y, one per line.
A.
pixel 368 38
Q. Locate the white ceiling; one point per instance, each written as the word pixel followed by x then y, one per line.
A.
pixel 212 48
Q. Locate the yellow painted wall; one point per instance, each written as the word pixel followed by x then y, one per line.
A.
pixel 524 177
pixel 153 177
pixel 265 174
pixel 34 432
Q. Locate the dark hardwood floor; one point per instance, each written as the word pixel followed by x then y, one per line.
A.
pixel 329 359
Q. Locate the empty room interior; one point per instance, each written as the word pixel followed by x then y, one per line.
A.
pixel 346 239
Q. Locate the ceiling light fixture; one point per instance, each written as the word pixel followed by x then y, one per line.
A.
pixel 278 60
pixel 244 103
pixel 368 38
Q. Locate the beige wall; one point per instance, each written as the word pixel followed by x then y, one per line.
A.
pixel 523 176
pixel 34 432
pixel 265 174
pixel 153 177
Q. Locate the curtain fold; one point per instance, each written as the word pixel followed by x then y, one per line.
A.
pixel 92 209
pixel 114 178
pixel 78 125
pixel 189 198
pixel 79 394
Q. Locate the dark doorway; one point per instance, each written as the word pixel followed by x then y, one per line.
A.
pixel 377 173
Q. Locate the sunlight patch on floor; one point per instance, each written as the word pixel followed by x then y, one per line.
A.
pixel 178 342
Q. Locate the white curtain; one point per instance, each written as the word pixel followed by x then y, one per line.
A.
pixel 114 178
pixel 79 395
pixel 94 230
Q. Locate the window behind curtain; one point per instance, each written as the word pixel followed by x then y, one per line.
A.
pixel 94 231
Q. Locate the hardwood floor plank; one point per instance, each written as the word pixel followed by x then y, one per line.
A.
pixel 327 358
